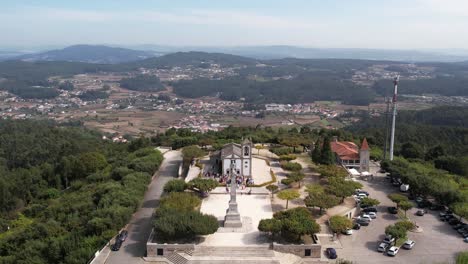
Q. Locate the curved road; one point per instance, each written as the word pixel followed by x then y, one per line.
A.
pixel 139 227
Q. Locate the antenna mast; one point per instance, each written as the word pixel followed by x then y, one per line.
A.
pixel 394 103
pixel 387 114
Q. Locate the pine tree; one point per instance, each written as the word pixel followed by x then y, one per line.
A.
pixel 316 154
pixel 326 156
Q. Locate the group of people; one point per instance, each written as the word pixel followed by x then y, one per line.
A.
pixel 241 181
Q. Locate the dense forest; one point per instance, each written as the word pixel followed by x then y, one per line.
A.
pixel 437 135
pixel 64 191
pixel 305 88
pixel 448 86
pixel 306 80
pixel 92 95
pixel 142 83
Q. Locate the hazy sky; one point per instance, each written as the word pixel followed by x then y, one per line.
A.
pixel 396 24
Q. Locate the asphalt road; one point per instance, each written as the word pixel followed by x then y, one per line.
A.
pixel 139 228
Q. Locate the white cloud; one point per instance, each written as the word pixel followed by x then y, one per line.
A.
pixel 446 7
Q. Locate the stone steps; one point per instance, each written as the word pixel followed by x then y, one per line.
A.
pixel 176 258
pixel 234 252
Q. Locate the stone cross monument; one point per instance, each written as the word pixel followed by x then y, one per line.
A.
pixel 232 218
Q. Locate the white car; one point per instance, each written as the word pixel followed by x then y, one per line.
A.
pixel 382 247
pixel 392 251
pixel 409 244
pixel 348 232
pixel 372 215
pixel 365 217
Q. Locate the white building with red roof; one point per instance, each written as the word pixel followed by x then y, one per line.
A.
pixel 350 155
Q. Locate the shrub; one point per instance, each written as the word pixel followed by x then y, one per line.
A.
pixel 288 157
pixel 171 224
pixel 182 201
pixel 282 150
pixel 175 185
pixel 291 166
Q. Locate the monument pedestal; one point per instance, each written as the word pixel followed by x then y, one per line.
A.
pixel 232 218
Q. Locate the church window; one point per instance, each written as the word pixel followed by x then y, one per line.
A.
pixel 246 151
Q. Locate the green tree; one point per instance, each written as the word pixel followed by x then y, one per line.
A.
pixel 405 206
pixel 92 162
pixel 203 185
pixel 321 200
pixel 272 226
pixel 460 209
pixel 397 232
pixel 367 202
pixel 316 153
pixel 412 150
pixel 296 223
pixel 171 224
pixel 288 195
pixel 191 152
pixel 326 155
pixel 175 185
pixel 272 188
pixel 397 198
pixel 342 188
pixel 296 177
pixel 339 224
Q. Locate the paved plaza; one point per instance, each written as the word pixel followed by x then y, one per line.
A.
pixel 252 209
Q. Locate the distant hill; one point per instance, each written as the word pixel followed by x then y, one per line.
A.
pixel 90 54
pixel 195 58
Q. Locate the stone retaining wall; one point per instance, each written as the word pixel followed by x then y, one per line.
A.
pixel 154 250
pixel 302 251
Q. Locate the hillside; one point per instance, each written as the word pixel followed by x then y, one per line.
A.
pixel 194 58
pixel 89 53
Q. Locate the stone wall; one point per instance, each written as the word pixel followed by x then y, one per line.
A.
pixel 164 249
pixel 315 250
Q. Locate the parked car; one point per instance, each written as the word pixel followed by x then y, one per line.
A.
pixel 369 209
pixel 356 226
pixel 392 210
pixel 465 239
pixel 454 221
pixel 123 235
pixel 383 247
pixel 392 251
pixel 436 207
pixel 362 222
pixel 360 195
pixel 358 191
pixel 331 253
pixel 460 226
pixel 372 215
pixel 404 187
pixel 421 212
pixel 462 230
pixel 365 217
pixel 348 231
pixel 388 239
pixel 409 244
pixel 117 245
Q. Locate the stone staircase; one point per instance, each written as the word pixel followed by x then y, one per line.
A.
pixel 224 255
pixel 177 258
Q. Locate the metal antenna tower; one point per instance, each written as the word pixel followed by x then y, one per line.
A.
pixel 394 103
pixel 387 113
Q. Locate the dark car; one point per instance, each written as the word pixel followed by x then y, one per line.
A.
pixel 436 207
pixel 123 235
pixel 356 226
pixel 454 221
pixel 117 245
pixel 369 209
pixel 460 226
pixel 362 222
pixel 392 210
pixel 331 253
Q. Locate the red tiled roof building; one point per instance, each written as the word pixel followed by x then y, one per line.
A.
pixel 350 155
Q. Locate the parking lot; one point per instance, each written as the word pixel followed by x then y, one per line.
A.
pixel 437 243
